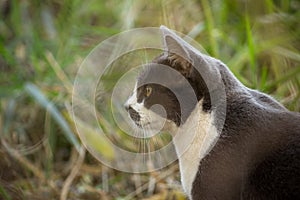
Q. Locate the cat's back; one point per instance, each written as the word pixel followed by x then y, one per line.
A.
pixel 257 155
pixel 270 136
pixel 277 175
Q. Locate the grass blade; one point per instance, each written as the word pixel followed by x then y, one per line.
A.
pixel 45 103
pixel 288 76
pixel 210 26
pixel 251 51
pixel 4 194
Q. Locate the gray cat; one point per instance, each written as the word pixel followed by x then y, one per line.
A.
pixel 246 145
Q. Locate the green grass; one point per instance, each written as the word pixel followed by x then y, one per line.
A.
pixel 4 194
pixel 42 44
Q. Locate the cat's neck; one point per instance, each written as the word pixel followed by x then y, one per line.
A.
pixel 193 141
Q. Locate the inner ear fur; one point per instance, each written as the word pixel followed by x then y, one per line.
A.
pixel 180 64
pixel 177 55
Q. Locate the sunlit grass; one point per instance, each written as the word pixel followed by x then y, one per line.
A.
pixel 43 43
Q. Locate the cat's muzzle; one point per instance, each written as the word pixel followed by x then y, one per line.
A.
pixel 134 115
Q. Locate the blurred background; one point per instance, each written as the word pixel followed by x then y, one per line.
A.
pixel 42 44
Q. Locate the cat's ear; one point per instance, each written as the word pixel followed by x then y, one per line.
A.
pixel 176 51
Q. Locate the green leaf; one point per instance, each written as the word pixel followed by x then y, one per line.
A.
pixel 34 91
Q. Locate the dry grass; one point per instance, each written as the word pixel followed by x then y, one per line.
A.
pixel 42 45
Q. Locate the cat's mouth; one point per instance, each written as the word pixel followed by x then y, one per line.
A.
pixel 137 119
pixel 135 116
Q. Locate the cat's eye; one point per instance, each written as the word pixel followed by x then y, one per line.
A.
pixel 148 91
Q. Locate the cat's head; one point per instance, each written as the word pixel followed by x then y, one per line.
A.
pixel 168 89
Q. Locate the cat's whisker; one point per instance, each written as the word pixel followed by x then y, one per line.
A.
pixel 179 117
pixel 146 130
pixel 136 139
pixel 154 139
pixel 143 138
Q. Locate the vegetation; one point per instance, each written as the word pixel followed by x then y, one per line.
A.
pixel 42 44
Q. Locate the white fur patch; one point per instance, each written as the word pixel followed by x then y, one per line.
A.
pixel 199 126
pixel 192 140
pixel 132 100
pixel 151 122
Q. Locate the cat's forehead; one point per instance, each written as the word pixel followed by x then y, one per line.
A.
pixel 159 72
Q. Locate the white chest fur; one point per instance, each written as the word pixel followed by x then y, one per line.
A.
pixel 193 141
